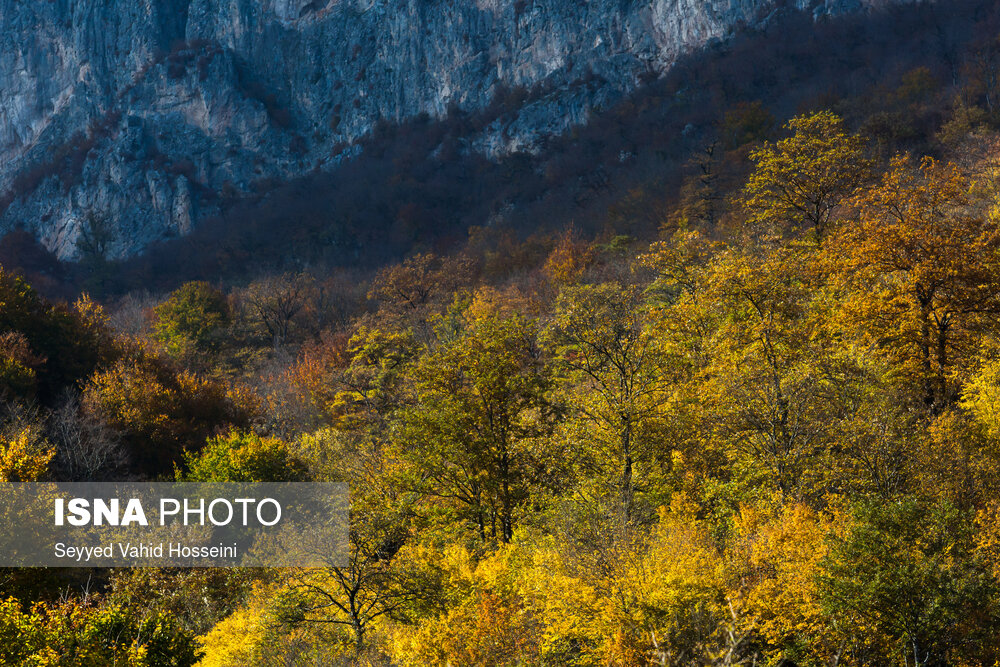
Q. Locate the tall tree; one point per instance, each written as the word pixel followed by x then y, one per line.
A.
pixel 922 269
pixel 606 351
pixel 799 182
pixel 480 404
pixel 764 382
pixel 904 571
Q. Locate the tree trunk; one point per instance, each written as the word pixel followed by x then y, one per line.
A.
pixel 359 637
pixel 925 351
pixel 507 510
pixel 942 363
pixel 626 485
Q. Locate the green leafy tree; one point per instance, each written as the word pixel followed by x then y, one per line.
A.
pixel 479 407
pixel 192 318
pixel 84 634
pixel 244 457
pixel 906 571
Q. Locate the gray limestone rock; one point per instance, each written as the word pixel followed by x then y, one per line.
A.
pixel 129 110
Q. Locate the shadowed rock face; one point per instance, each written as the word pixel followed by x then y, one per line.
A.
pixel 128 118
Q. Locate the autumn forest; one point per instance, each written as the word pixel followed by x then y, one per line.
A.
pixel 764 432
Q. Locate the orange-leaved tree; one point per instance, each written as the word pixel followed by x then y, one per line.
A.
pixel 922 271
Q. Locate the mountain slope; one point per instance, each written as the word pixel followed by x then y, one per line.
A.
pixel 127 123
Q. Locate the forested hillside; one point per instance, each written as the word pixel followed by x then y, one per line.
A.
pixel 772 434
pixel 418 185
pixel 714 380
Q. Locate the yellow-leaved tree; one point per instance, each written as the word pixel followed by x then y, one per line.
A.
pixel 776 552
pixel 799 183
pixel 616 372
pixel 25 457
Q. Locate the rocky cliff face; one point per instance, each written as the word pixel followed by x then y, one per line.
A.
pixel 122 123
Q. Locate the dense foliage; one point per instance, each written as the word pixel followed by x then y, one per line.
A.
pixel 770 435
pixel 757 422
